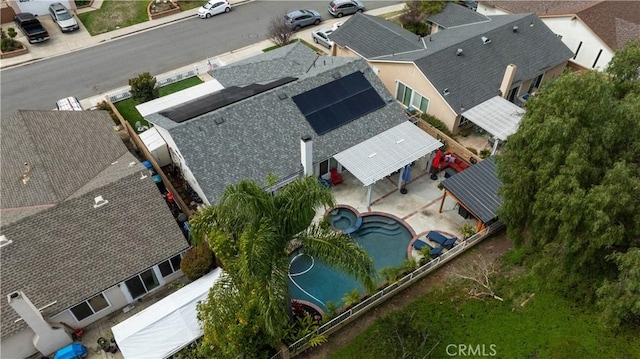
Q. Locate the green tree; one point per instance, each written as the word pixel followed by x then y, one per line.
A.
pixel 625 69
pixel 571 180
pixel 143 88
pixel 414 19
pixel 620 298
pixel 252 232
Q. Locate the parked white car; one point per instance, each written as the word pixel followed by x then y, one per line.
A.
pixel 214 7
pixel 321 36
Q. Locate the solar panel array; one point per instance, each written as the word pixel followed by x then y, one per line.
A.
pixel 222 98
pixel 338 102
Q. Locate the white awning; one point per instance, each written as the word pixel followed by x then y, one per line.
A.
pixel 497 116
pixel 387 152
pixel 167 326
pixel 178 98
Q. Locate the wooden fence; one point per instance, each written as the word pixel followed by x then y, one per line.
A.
pixel 450 143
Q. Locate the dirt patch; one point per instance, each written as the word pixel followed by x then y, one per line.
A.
pixel 491 248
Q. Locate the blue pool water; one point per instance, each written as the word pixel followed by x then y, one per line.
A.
pixel 384 238
pixel 342 218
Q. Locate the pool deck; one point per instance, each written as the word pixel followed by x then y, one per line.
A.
pixel 418 208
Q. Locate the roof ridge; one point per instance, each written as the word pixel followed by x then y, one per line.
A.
pixel 371 18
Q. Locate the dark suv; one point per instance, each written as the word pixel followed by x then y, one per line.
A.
pixel 339 8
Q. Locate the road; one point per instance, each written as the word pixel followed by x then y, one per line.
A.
pixel 107 66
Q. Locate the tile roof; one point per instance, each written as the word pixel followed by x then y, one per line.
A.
pixel 73 251
pixel 477 188
pixel 475 76
pixel 60 148
pixel 261 135
pixel 372 36
pixel 615 21
pixel 453 15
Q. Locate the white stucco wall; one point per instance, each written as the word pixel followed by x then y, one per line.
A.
pixel 178 159
pixel 573 31
pixel 17 346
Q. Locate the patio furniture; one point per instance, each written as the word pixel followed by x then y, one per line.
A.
pixel 325 183
pixel 441 240
pixel 336 177
pixel 457 164
pixel 418 245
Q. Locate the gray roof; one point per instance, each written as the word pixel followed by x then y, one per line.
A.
pixel 475 76
pixel 60 148
pixel 477 189
pixel 261 135
pixel 282 62
pixel 453 15
pixel 372 36
pixel 73 251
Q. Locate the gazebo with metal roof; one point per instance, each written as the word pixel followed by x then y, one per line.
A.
pixel 387 152
pixel 476 190
pixel 497 116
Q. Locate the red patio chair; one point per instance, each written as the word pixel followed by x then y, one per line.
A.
pixel 336 177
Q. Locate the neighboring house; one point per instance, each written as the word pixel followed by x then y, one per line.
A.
pixel 39 7
pixel 84 232
pixel 593 30
pixel 253 127
pixel 458 68
pixel 453 15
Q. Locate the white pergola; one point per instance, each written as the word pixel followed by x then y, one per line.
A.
pixel 497 116
pixel 387 152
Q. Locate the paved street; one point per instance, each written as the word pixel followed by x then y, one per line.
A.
pixel 95 70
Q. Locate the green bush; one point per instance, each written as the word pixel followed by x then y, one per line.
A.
pixel 485 153
pixel 197 261
pixel 12 32
pixel 143 88
pixel 7 43
pixel 435 122
pixel 467 230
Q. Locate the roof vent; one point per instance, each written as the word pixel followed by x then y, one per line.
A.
pixel 25 173
pixel 99 202
pixel 531 24
pixel 485 40
pixel 459 52
pixel 131 164
pixel 219 120
pixel 282 96
pixel 445 92
pixel 515 28
pixel 4 241
pixel 142 175
pixel 336 75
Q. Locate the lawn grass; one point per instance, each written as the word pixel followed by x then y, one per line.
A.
pixel 548 326
pixel 114 14
pixel 190 4
pixel 127 108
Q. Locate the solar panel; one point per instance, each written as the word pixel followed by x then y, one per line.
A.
pixel 338 102
pixel 222 98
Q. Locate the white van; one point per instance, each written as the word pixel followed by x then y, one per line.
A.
pixel 69 104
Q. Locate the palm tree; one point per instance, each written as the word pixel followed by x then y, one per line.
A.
pixel 253 231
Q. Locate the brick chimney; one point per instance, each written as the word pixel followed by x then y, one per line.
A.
pixel 507 80
pixel 306 155
pixel 47 339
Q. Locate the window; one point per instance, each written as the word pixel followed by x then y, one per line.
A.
pixel 149 279
pixel 512 94
pixel 142 283
pixel 170 266
pixel 408 97
pixel 327 165
pixel 90 307
pixel 535 83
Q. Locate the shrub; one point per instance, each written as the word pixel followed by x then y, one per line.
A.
pixel 464 132
pixel 467 230
pixel 435 122
pixel 197 261
pixel 485 153
pixel 143 88
pixel 12 32
pixel 278 32
pixel 7 43
pixel 472 150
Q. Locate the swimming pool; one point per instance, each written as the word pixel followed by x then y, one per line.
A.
pixel 342 218
pixel 384 237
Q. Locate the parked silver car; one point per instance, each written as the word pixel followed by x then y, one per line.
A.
pixel 321 37
pixel 301 18
pixel 63 17
pixel 339 8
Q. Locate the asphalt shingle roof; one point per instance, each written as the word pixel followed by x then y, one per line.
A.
pixel 73 251
pixel 615 21
pixel 453 15
pixel 63 250
pixel 261 135
pixel 60 148
pixel 476 75
pixel 477 188
pixel 372 36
